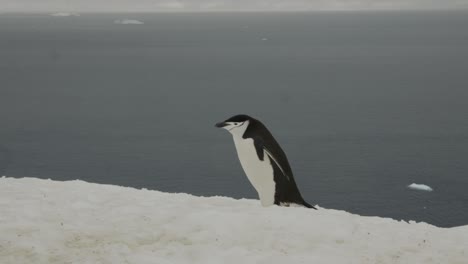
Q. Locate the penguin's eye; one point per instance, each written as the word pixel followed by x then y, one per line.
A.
pixel 236 123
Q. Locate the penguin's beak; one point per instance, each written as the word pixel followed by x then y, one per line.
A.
pixel 221 124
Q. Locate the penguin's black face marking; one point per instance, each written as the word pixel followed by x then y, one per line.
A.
pixel 229 126
pixel 236 121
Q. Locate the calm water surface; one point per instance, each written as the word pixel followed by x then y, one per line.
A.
pixel 364 104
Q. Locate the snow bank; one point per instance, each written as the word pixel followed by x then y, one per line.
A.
pixel 64 14
pixel 44 221
pixel 420 187
pixel 128 22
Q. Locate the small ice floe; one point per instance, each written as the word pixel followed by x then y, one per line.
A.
pixel 128 22
pixel 264 39
pixel 420 187
pixel 64 14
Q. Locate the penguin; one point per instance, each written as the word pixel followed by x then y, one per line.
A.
pixel 264 162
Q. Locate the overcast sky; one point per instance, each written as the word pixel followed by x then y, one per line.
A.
pixel 220 5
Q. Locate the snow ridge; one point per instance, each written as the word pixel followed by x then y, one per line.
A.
pixel 45 221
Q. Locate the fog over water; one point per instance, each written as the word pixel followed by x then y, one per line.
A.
pixel 223 5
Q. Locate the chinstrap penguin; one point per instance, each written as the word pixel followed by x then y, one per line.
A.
pixel 263 161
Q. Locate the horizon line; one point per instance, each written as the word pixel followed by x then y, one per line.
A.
pixel 236 11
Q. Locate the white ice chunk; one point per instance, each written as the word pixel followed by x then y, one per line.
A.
pixel 420 187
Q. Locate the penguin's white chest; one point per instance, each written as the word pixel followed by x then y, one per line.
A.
pixel 260 173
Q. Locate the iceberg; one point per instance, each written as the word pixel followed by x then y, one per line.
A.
pixel 64 14
pixel 128 22
pixel 46 221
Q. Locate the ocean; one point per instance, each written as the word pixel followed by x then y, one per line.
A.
pixel 363 103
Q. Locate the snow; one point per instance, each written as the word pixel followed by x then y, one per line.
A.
pixel 128 22
pixel 420 187
pixel 45 221
pixel 64 14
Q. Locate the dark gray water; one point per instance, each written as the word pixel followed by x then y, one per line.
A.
pixel 364 104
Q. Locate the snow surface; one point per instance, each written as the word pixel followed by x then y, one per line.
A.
pixel 128 22
pixel 64 14
pixel 44 221
pixel 420 187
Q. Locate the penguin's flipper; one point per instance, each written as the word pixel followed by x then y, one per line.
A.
pixel 272 158
pixel 261 149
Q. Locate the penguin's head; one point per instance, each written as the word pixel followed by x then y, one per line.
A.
pixel 236 124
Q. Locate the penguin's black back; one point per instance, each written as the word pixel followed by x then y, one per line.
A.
pixel 286 190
